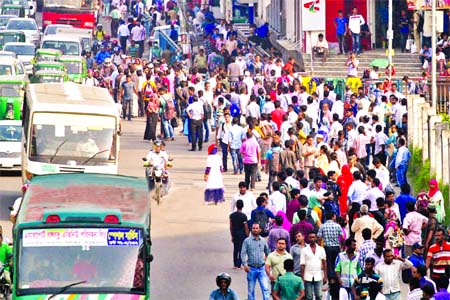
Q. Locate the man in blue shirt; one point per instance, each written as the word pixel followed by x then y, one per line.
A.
pixel 341 25
pixel 404 29
pixel 404 198
pixel 261 203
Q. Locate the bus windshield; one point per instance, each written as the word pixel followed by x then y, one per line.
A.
pixel 73 67
pixel 11 90
pixel 107 259
pixel 70 3
pixel 73 139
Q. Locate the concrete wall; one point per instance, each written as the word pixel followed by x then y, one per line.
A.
pixel 426 131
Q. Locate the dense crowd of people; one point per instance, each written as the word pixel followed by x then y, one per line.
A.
pixel 330 219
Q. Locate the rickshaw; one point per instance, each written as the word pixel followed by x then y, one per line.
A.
pixel 49 76
pixel 46 55
pixel 8 36
pixel 11 97
pixel 76 67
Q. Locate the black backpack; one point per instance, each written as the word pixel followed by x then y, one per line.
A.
pixel 263 220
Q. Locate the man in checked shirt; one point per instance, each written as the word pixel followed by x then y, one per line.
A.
pixel 253 254
pixel 330 232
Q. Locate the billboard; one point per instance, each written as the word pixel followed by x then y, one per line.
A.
pixel 426 4
pixel 313 15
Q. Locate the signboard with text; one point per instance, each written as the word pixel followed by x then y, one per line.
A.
pixel 66 237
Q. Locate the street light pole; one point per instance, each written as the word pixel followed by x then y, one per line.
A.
pixel 433 56
pixel 390 35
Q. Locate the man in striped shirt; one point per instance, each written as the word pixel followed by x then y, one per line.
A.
pixel 438 257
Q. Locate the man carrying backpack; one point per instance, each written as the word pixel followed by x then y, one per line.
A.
pixel 262 216
pixel 273 159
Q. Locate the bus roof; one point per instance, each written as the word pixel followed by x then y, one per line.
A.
pixel 69 97
pixel 86 193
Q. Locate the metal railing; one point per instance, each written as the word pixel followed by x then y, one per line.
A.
pixel 172 44
pixel 443 95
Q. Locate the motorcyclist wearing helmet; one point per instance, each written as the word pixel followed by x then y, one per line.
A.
pixel 223 281
pixel 107 68
pixel 99 33
pixel 101 55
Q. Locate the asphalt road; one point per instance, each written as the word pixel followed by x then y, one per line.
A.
pixel 191 241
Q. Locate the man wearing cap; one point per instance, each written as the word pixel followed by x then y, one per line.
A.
pixel 413 223
pixel 416 258
pixel 365 221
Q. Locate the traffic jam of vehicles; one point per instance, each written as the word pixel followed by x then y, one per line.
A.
pixel 80 230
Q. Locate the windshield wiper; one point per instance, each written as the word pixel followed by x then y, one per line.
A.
pixel 93 156
pixel 65 288
pixel 57 150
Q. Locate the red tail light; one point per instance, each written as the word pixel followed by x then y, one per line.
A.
pixel 112 219
pixel 53 219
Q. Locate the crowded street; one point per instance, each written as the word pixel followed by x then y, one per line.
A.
pixel 186 149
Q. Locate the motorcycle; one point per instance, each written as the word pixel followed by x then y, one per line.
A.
pixel 158 181
pixel 5 287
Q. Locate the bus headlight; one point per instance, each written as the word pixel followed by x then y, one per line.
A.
pixel 88 24
pixel 47 22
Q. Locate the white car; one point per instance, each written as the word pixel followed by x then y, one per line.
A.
pixel 27 26
pixel 4 19
pixel 53 28
pixel 24 52
pixel 10 144
pixel 7 54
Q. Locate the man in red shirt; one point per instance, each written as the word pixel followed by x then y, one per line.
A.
pixel 277 114
pixel 438 256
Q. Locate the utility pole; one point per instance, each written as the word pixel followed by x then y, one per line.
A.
pixel 390 35
pixel 433 56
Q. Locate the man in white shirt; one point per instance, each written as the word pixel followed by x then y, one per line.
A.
pixel 321 47
pixel 195 113
pixel 268 107
pixel 247 197
pixel 354 24
pixel 253 109
pixel 389 270
pixel 336 126
pixel 382 172
pixel 277 200
pixel 313 266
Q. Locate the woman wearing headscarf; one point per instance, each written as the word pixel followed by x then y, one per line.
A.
pixel 215 189
pixel 286 224
pixel 436 197
pixel 344 181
